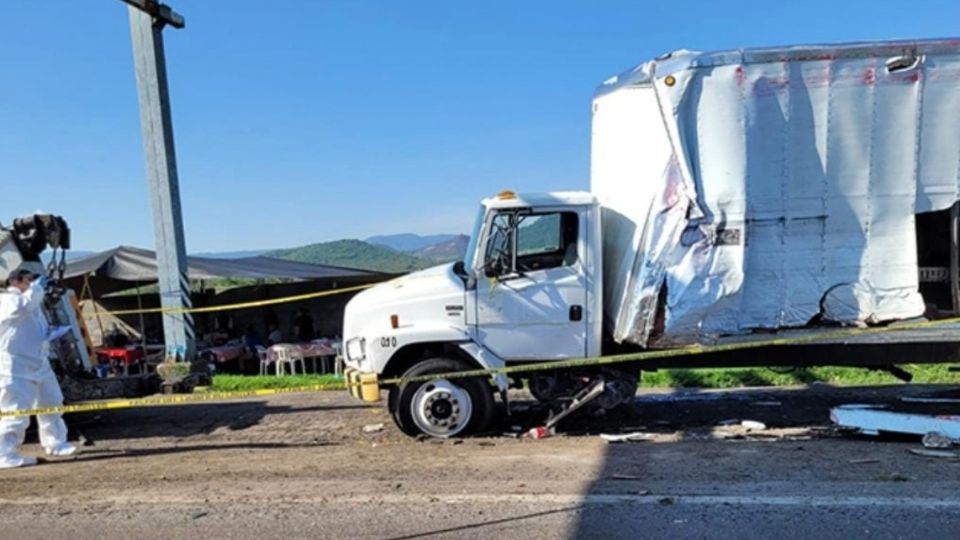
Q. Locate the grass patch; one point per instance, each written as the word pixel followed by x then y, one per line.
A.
pixel 840 376
pixel 665 378
pixel 234 383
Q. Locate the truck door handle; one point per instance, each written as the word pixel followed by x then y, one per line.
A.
pixel 576 313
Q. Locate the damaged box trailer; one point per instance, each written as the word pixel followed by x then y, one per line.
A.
pixel 776 188
pixel 734 195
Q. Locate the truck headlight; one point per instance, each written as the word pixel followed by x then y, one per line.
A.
pixel 356 349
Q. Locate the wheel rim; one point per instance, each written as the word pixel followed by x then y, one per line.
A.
pixel 441 408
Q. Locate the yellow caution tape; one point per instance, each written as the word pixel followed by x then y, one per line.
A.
pixel 239 305
pixel 524 368
pixel 159 401
pixel 690 350
pixel 255 303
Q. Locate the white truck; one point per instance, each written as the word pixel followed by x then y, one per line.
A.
pixel 734 195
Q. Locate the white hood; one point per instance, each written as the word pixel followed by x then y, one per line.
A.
pixel 425 296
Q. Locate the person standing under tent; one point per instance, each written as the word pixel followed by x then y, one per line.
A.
pixel 303 326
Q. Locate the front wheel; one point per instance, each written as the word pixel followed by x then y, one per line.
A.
pixel 441 407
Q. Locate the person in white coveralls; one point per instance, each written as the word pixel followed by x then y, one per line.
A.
pixel 26 378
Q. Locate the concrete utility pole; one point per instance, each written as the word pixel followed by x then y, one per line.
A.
pixel 147 20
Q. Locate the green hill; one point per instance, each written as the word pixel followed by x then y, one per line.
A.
pixel 452 249
pixel 354 254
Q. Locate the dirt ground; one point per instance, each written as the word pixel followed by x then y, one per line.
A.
pixel 300 466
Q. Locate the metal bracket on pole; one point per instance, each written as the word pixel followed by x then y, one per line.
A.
pixel 147 19
pixel 162 13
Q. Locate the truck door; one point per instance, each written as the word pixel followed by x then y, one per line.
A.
pixel 531 295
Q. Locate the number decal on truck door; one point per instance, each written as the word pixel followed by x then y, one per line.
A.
pixel 387 342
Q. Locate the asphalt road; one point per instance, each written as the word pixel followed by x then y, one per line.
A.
pixel 301 467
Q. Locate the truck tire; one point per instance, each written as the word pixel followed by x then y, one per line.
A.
pixel 443 407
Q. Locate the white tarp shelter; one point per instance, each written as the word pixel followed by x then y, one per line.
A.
pixel 125 267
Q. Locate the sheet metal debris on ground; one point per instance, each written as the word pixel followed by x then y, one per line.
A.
pixel 626 437
pixel 934 453
pixel 919 419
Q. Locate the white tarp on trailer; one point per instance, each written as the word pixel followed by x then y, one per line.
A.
pixel 762 188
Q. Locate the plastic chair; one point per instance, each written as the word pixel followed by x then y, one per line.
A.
pixel 338 359
pixel 285 355
pixel 265 360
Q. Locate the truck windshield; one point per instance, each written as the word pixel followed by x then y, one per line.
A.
pixel 471 253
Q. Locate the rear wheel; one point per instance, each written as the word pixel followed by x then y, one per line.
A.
pixel 441 407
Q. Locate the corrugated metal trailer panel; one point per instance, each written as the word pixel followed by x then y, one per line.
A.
pixel 760 189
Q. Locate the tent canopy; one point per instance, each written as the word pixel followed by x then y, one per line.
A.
pixel 124 267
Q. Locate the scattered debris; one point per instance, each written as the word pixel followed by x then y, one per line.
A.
pixel 373 428
pixel 84 440
pixel 516 428
pixel 768 437
pixel 934 453
pixel 625 477
pixel 729 422
pixel 486 443
pixel 863 461
pixel 937 440
pixel 871 420
pixel 753 424
pixel 770 403
pixel 665 501
pixel 198 515
pixel 539 432
pixel 893 477
pixel 626 437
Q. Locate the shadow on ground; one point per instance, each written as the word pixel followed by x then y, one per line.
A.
pixel 692 415
pixel 113 454
pixel 182 420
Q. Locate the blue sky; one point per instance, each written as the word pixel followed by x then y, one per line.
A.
pixel 304 121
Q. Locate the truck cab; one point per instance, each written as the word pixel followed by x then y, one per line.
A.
pixel 528 290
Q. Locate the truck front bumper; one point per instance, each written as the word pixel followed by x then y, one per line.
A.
pixel 363 386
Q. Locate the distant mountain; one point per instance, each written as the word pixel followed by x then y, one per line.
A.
pixel 409 242
pixel 446 251
pixel 231 254
pixel 354 254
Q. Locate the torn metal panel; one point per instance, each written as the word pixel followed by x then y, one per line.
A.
pixel 871 420
pixel 764 188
